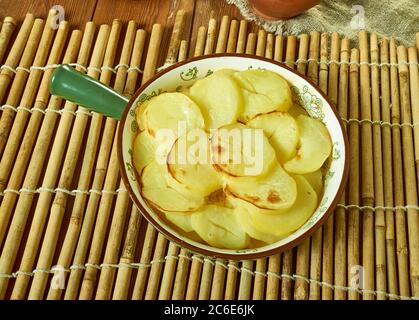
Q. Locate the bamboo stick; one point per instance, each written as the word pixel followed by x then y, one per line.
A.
pixel 417 41
pixel 388 171
pixel 232 36
pixel 231 281
pixel 245 280
pixel 60 200
pixel 414 85
pixel 302 53
pixel 151 63
pixel 19 82
pixel 33 174
pixel 123 277
pixel 181 277
pixel 316 240
pixel 323 68
pixel 401 232
pixel 269 46
pixel 223 35
pixel 290 51
pixel 175 38
pixel 200 41
pixel 367 170
pixel 210 40
pixel 30 95
pixel 218 281
pixel 279 48
pixel 409 159
pixel 303 250
pixel 194 278
pixel 261 43
pixel 7 28
pixel 287 258
pixel 241 38
pixel 15 54
pixel 380 237
pixel 206 279
pixel 340 261
pixel 259 281
pixel 354 174
pixel 107 275
pixel 251 43
pixel 273 276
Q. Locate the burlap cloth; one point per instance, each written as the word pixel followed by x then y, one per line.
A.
pixel 387 18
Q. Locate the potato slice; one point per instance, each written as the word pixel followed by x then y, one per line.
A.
pixel 282 132
pixel 219 98
pixel 182 221
pixel 219 227
pixel 315 146
pixel 315 179
pixel 189 162
pixel 164 193
pixel 238 150
pixel 297 110
pixel 263 91
pixel 143 150
pixel 171 112
pixel 285 222
pixel 241 209
pixel 276 190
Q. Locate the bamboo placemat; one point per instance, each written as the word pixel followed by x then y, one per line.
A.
pixel 68 229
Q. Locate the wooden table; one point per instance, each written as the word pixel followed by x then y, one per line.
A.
pixel 144 12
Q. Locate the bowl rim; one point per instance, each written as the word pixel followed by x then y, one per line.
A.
pixel 203 251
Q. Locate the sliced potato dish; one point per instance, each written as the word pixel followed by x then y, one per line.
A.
pixel 315 146
pixel 182 221
pixel 231 161
pixel 284 222
pixel 315 179
pixel 238 150
pixel 162 193
pixel 263 91
pixel 282 132
pixel 219 97
pixel 189 163
pixel 219 227
pixel 143 150
pixel 169 111
pixel 276 190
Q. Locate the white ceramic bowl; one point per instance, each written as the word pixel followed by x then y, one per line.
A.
pixel 183 75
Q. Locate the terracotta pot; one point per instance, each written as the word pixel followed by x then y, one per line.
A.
pixel 281 9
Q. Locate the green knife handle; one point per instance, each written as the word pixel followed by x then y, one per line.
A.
pixel 87 92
